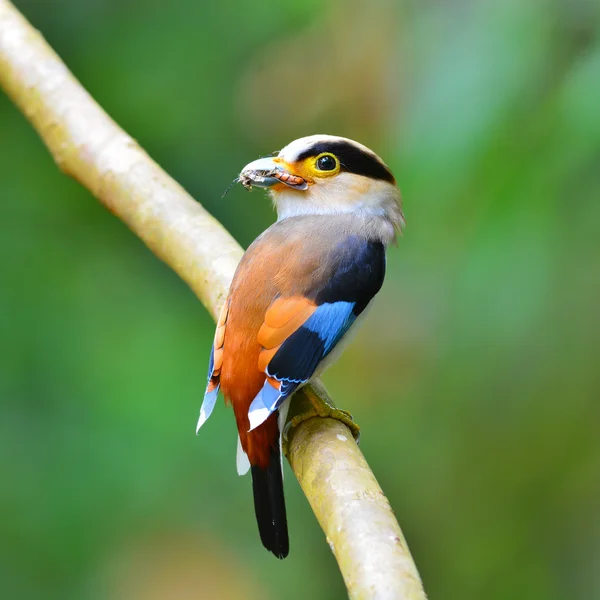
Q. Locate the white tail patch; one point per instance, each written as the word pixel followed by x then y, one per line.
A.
pixel 257 416
pixel 264 405
pixel 241 459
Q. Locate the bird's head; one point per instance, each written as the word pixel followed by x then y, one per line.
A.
pixel 325 175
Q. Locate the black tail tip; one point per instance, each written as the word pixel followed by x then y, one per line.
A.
pixel 274 536
pixel 280 553
pixel 278 543
pixel 269 506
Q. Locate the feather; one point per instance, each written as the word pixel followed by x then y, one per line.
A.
pixel 210 399
pixel 241 459
pixel 269 505
pixel 215 363
pixel 266 402
pixel 282 318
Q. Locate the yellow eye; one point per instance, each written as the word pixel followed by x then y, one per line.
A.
pixel 327 162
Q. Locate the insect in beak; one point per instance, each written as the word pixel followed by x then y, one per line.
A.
pixel 265 173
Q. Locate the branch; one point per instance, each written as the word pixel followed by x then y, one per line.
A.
pixel 87 145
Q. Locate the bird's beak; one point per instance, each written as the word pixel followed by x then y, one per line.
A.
pixel 268 172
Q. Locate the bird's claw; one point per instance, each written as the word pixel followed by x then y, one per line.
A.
pixel 313 401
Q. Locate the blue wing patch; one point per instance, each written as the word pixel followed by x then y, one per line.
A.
pixel 300 354
pixel 330 322
pixel 297 359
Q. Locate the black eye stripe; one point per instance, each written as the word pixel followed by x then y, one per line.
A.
pixel 352 159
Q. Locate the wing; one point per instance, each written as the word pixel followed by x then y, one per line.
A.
pixel 214 369
pixel 300 331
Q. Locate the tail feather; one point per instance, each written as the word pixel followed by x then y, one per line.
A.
pixel 241 459
pixel 269 505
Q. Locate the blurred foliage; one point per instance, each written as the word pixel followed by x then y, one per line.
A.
pixel 476 379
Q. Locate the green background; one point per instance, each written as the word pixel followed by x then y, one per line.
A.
pixel 476 379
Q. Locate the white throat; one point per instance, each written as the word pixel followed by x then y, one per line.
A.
pixel 345 194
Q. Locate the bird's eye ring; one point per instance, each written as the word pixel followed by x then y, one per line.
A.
pixel 326 162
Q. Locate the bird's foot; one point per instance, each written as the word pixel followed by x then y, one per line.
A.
pixel 312 400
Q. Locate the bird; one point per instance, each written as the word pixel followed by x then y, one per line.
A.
pixel 299 291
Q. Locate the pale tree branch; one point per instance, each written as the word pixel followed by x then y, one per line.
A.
pixel 86 144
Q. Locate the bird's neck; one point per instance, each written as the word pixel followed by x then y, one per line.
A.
pixel 385 211
pixel 365 225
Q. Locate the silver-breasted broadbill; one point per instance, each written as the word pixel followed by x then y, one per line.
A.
pixel 299 290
